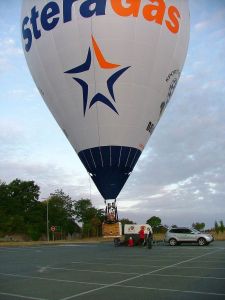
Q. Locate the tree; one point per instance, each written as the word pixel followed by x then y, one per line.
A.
pixel 154 222
pixel 71 226
pixel 17 199
pixel 216 226
pixel 22 212
pixel 221 228
pixel 98 220
pixel 4 199
pixel 82 210
pixel 198 226
pixel 36 220
pixel 89 216
pixel 61 212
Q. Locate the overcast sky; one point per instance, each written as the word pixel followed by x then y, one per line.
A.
pixel 180 176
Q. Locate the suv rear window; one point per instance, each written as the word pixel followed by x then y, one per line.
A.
pixel 175 230
pixel 180 230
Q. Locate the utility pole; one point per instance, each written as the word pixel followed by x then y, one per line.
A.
pixel 47 223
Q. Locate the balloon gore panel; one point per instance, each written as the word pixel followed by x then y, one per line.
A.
pixel 109 167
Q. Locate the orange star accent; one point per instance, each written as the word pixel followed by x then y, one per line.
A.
pixel 104 64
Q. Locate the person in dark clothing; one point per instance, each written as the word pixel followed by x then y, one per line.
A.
pixel 149 239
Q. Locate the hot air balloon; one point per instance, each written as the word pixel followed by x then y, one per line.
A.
pixel 107 70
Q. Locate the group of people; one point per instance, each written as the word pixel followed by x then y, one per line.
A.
pixel 111 215
pixel 145 238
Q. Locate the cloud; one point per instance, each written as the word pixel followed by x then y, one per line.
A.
pixel 8 51
pixel 11 131
pixel 19 94
pixel 8 47
pixel 201 25
pixel 182 174
pixel 4 64
pixel 48 176
pixel 210 19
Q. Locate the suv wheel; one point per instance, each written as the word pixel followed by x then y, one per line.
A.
pixel 202 242
pixel 173 242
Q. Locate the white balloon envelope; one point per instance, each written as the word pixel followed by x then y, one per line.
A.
pixel 106 70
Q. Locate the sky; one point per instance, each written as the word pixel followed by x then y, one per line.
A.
pixel 180 176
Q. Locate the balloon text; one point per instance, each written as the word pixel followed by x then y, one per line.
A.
pixel 49 17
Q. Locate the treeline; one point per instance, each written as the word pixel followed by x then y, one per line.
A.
pixel 219 227
pixel 22 212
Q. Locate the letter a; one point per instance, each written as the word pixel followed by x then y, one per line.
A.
pixel 99 9
pixel 155 12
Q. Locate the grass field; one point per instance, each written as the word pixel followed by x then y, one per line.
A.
pixel 219 237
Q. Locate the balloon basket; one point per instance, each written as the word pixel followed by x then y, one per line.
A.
pixel 113 230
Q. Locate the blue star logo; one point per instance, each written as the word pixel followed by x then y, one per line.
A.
pixel 104 64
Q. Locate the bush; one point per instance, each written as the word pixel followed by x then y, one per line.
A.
pixel 34 233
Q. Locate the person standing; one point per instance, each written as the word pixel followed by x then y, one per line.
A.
pixel 149 239
pixel 141 236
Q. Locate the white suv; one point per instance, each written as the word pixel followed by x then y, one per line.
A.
pixel 175 236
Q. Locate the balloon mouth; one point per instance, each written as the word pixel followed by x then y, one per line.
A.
pixel 110 167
